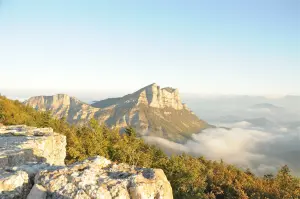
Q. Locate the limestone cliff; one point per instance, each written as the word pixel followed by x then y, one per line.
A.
pixel 152 96
pixel 151 110
pixel 62 105
pixel 33 168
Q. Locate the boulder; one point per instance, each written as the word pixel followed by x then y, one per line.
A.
pixel 24 151
pixel 20 144
pixel 14 184
pixel 100 178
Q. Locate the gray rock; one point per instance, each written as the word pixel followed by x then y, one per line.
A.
pixel 37 192
pixel 14 184
pixel 21 145
pixel 32 162
pixel 100 178
pixel 24 152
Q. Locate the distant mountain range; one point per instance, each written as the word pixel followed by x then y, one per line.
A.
pixel 261 122
pixel 210 108
pixel 266 106
pixel 151 110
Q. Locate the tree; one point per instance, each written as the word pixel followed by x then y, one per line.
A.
pixel 2 117
pixel 269 176
pixel 287 184
pixel 130 132
pixel 249 172
pixel 46 119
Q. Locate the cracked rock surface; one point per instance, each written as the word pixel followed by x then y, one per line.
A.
pixel 100 178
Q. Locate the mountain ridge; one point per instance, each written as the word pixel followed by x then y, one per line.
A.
pixel 152 95
pixel 151 110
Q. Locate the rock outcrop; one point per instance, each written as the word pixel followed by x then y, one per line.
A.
pixel 23 152
pixel 32 167
pixel 152 110
pixel 152 96
pixel 100 178
pixel 156 97
pixel 21 144
pixel 16 182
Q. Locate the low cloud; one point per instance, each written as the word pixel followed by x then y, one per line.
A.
pixel 262 151
pixel 242 124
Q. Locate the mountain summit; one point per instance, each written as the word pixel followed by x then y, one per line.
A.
pixel 151 111
pixel 152 96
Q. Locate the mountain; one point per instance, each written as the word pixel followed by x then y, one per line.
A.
pixel 211 107
pixel 105 103
pixel 266 106
pixel 261 122
pixel 293 125
pixel 151 111
pixel 83 142
pixel 62 105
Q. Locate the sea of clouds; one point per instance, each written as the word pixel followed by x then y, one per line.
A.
pixel 243 144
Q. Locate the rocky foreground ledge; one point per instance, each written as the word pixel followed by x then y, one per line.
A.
pixel 20 144
pixel 32 167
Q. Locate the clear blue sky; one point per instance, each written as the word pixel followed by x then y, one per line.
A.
pixel 200 46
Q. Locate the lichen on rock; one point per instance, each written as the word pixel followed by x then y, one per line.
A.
pixel 100 178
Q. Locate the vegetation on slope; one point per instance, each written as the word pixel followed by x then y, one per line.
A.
pixel 190 177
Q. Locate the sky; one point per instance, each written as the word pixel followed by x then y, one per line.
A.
pixel 199 46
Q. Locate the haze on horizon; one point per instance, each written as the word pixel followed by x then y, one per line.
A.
pixel 215 47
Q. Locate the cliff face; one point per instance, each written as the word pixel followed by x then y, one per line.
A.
pixel 62 105
pixel 152 96
pixel 155 97
pixel 33 168
pixel 151 110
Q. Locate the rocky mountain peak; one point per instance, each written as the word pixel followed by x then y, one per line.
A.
pixel 157 97
pixel 61 99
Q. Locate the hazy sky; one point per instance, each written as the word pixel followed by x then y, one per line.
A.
pixel 200 46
